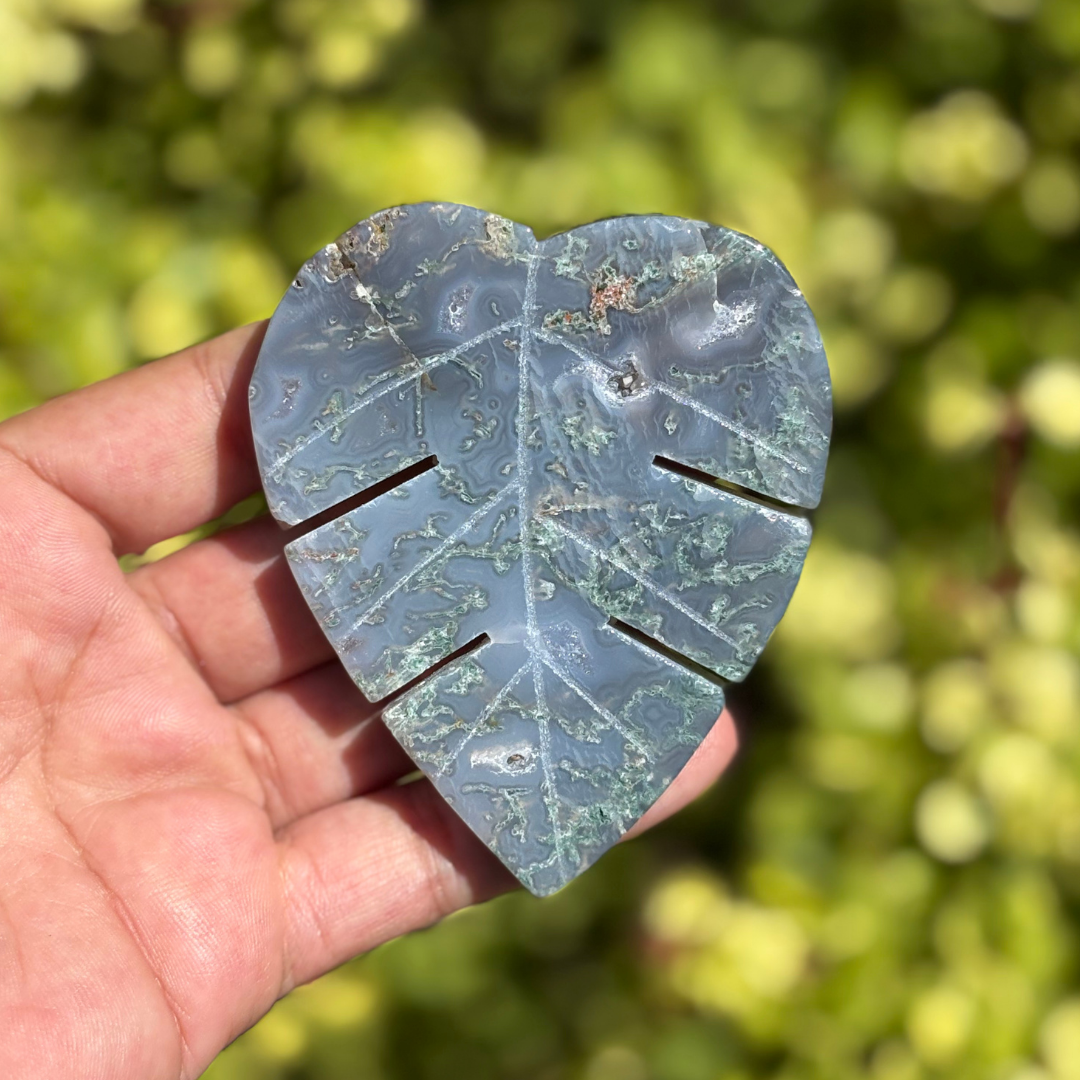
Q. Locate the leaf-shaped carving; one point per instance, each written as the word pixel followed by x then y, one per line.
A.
pixel 560 386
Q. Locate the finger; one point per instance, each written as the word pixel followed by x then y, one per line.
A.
pixel 316 740
pixel 364 871
pixel 153 452
pixel 231 604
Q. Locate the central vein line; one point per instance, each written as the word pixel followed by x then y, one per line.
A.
pixel 524 420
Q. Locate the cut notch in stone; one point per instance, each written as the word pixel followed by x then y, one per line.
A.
pixel 729 486
pixel 469 647
pixel 361 498
pixel 667 652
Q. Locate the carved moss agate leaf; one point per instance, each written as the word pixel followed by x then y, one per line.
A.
pixel 545 377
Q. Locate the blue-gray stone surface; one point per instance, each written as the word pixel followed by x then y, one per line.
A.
pixel 545 378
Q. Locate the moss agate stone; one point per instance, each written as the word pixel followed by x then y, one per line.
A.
pixel 614 435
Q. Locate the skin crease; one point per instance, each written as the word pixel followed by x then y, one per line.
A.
pixel 198 810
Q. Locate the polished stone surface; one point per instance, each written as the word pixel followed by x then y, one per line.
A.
pixel 545 378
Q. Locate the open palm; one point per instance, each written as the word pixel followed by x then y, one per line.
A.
pixel 198 810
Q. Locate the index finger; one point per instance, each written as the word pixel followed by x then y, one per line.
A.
pixel 153 452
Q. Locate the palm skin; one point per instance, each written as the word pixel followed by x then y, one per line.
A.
pixel 198 810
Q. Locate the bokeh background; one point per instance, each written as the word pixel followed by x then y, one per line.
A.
pixel 886 886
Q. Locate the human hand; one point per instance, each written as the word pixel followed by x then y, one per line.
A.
pixel 198 809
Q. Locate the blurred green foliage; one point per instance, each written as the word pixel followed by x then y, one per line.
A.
pixel 887 884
